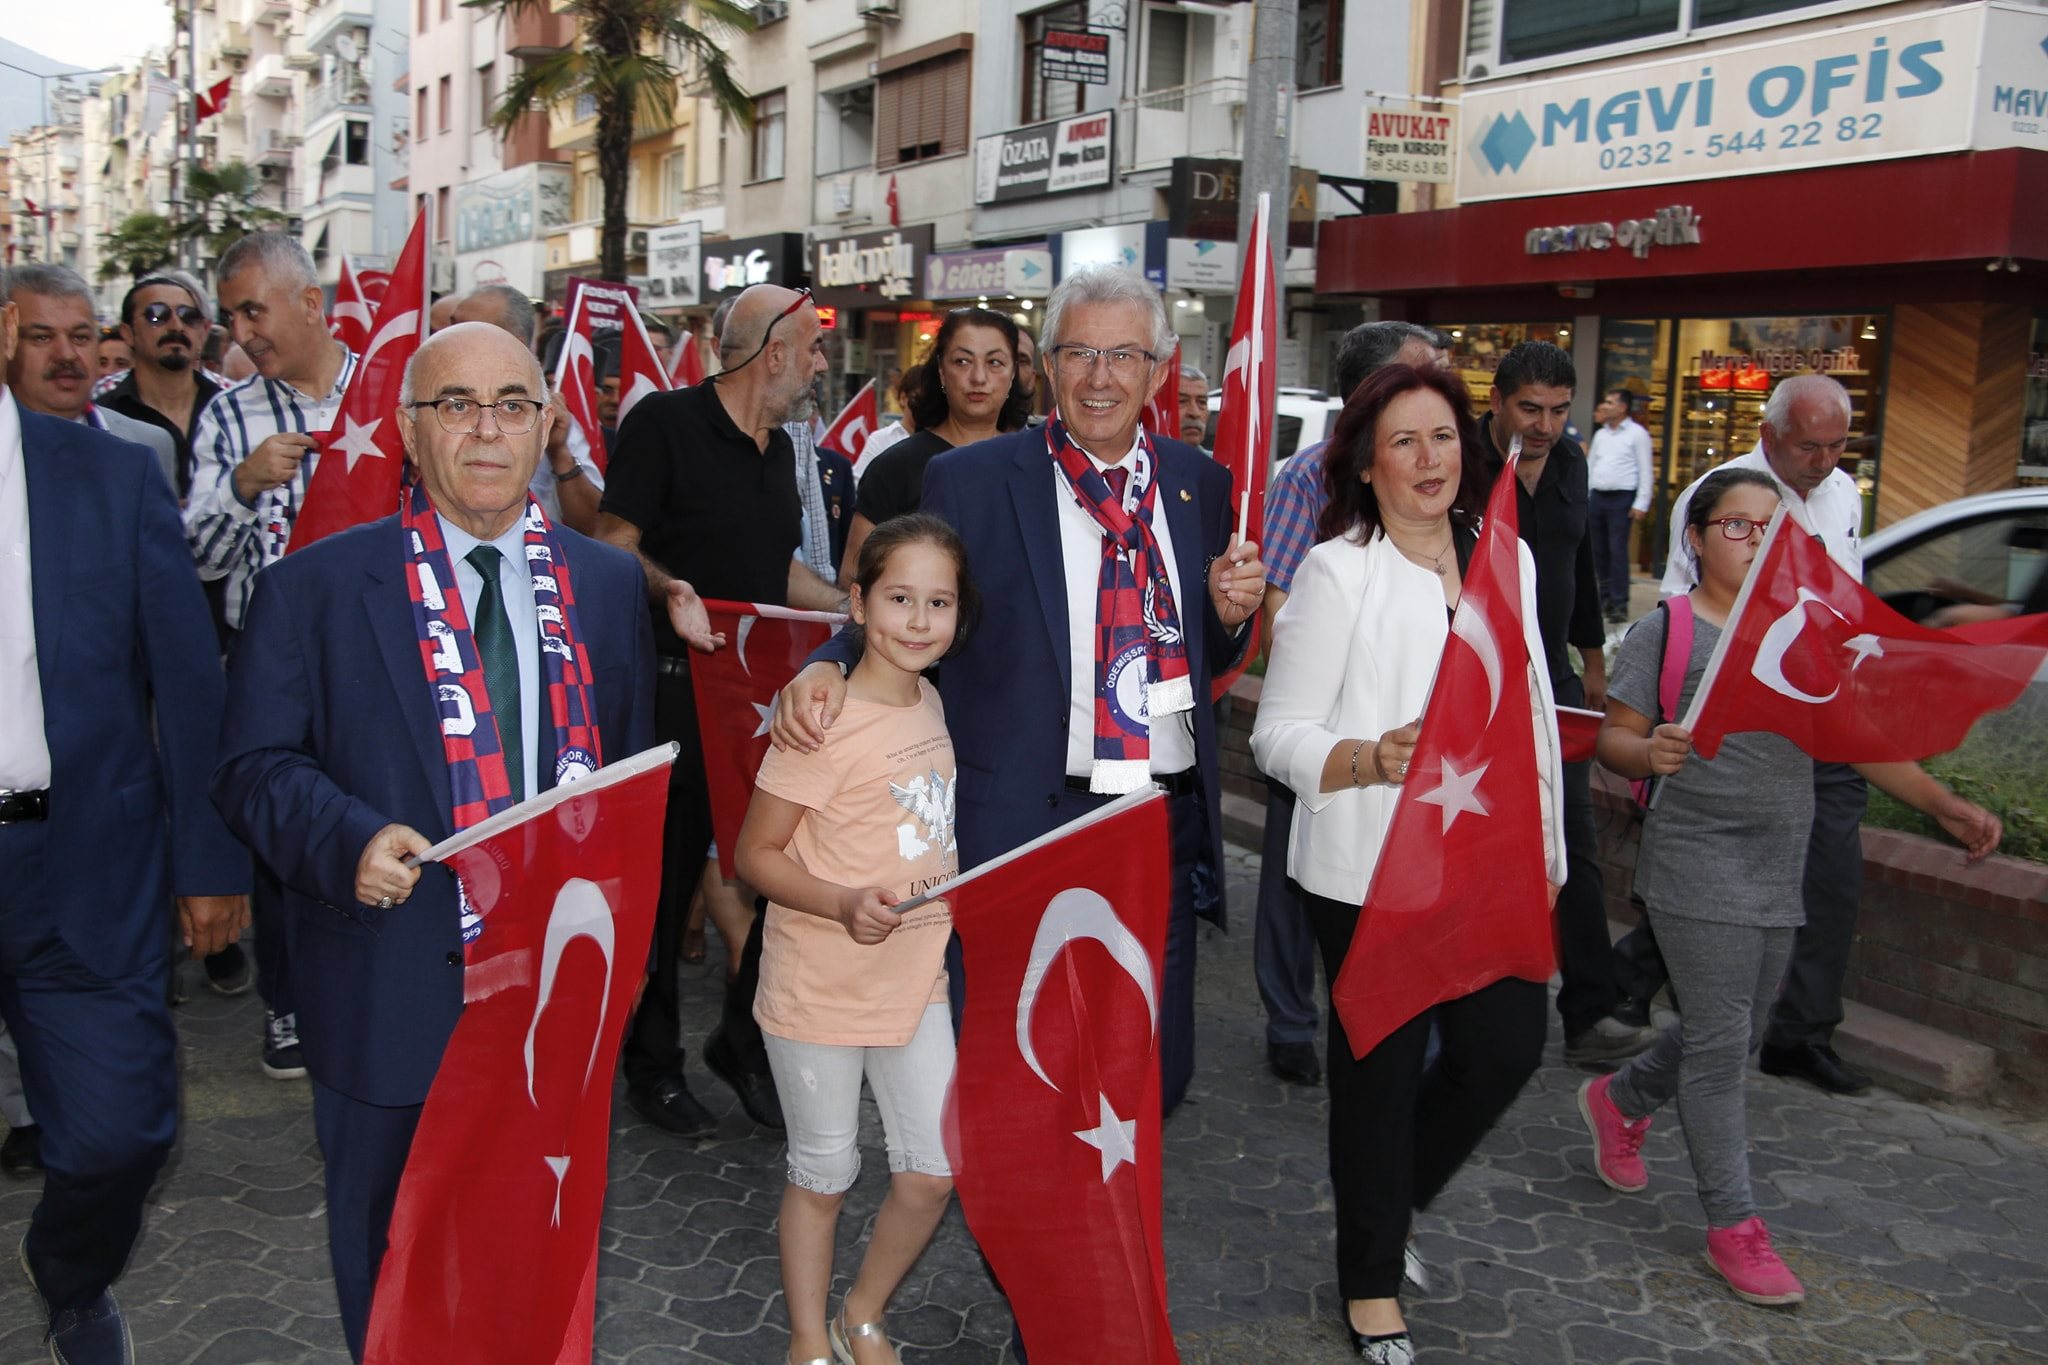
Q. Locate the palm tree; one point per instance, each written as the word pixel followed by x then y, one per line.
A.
pixel 223 206
pixel 140 243
pixel 634 57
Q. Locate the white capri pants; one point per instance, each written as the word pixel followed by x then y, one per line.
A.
pixel 819 1085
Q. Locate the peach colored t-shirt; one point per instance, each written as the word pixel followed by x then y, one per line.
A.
pixel 878 811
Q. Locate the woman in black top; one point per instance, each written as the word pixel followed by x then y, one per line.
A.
pixel 966 392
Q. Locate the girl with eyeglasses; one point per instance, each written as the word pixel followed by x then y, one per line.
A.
pixel 967 391
pixel 1722 858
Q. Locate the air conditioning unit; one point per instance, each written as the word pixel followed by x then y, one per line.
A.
pixel 770 11
pixel 884 11
pixel 234 41
pixel 636 242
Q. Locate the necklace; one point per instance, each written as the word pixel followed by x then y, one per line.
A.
pixel 1429 561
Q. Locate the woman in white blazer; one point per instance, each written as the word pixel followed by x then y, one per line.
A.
pixel 1355 650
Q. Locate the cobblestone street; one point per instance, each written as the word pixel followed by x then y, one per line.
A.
pixel 1921 1235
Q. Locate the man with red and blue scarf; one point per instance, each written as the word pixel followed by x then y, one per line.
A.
pixel 399 682
pixel 1113 587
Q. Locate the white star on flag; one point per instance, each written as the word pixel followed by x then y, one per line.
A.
pixel 1864 647
pixel 766 713
pixel 1116 1139
pixel 358 440
pixel 1457 793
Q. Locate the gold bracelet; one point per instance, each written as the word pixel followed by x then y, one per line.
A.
pixel 1356 781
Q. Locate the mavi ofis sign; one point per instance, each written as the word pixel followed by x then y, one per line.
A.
pixel 1911 86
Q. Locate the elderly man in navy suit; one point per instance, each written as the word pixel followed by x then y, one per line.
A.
pixel 342 755
pixel 1052 709
pixel 103 630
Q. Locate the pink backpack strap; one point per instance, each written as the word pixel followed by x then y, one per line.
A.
pixel 1677 653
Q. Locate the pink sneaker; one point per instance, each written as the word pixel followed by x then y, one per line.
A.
pixel 1616 1138
pixel 1744 1257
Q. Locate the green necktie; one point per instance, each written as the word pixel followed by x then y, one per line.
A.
pixel 493 631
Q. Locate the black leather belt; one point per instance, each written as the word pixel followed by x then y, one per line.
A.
pixel 1182 783
pixel 16 807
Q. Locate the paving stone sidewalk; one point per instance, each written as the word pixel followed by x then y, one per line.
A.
pixel 1921 1235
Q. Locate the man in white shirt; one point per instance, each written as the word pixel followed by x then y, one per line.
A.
pixel 1805 431
pixel 1619 475
pixel 254 451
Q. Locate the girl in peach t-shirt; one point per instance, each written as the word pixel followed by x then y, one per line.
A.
pixel 850 988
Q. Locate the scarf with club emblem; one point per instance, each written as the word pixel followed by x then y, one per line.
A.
pixel 1141 663
pixel 478 780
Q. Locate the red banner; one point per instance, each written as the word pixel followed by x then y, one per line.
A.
pixel 362 458
pixel 1811 654
pixel 1053 1123
pixel 1459 897
pixel 734 690
pixel 493 1254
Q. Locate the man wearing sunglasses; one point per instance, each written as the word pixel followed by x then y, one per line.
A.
pixel 166 321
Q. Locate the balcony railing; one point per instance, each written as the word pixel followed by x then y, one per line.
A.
pixel 343 92
pixel 1203 119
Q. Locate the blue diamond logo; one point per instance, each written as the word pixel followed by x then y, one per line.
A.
pixel 1508 142
pixel 2044 45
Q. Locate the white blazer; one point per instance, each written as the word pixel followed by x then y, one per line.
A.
pixel 1355 651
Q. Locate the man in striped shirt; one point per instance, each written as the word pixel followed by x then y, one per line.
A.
pixel 254 459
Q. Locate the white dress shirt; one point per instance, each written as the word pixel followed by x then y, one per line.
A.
pixel 1619 461
pixel 24 749
pixel 1173 737
pixel 878 441
pixel 1833 511
pixel 515 585
pixel 1355 653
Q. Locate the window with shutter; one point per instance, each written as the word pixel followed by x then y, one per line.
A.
pixel 1044 99
pixel 921 111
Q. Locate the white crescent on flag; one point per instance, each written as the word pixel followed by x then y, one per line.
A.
pixel 1471 627
pixel 642 386
pixel 406 323
pixel 1769 668
pixel 580 911
pixel 1078 913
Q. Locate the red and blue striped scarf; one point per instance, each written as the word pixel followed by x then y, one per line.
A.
pixel 478 780
pixel 1141 662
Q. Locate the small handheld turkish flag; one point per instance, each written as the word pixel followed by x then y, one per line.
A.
pixel 688 369
pixel 1053 1122
pixel 854 424
pixel 209 102
pixel 640 369
pixel 734 690
pixel 1459 897
pixel 493 1254
pixel 1578 730
pixel 1811 654
pixel 576 379
pixel 895 204
pixel 1162 413
pixel 350 320
pixel 361 464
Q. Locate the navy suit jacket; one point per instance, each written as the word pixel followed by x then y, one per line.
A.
pixel 332 734
pixel 1007 690
pixel 122 634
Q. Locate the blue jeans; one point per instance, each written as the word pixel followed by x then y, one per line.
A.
pixel 1609 513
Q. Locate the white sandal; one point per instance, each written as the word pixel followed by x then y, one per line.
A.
pixel 841 1336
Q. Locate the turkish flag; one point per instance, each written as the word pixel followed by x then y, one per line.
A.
pixel 374 283
pixel 734 689
pixel 493 1253
pixel 1579 732
pixel 1811 654
pixel 640 369
pixel 688 369
pixel 1246 413
pixel 894 204
pixel 854 424
pixel 350 320
pixel 362 457
pixel 1459 897
pixel 210 101
pixel 576 378
pixel 1053 1122
pixel 1162 412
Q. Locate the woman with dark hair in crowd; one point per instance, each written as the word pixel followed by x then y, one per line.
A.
pixel 967 391
pixel 1355 652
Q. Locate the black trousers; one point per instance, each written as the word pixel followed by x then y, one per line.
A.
pixel 653 1048
pixel 1810 1005
pixel 1585 953
pixel 1399 1133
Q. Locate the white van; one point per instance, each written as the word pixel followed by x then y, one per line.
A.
pixel 1306 416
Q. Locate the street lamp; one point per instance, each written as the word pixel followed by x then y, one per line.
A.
pixel 43 80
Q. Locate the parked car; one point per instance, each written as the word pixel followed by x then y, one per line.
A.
pixel 1989 548
pixel 1306 416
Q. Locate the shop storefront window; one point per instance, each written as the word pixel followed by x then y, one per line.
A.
pixel 2034 433
pixel 1476 348
pixel 1726 368
pixel 1634 355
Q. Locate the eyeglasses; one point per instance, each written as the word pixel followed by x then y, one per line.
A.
pixel 1738 528
pixel 157 314
pixel 1079 360
pixel 460 416
pixel 803 296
